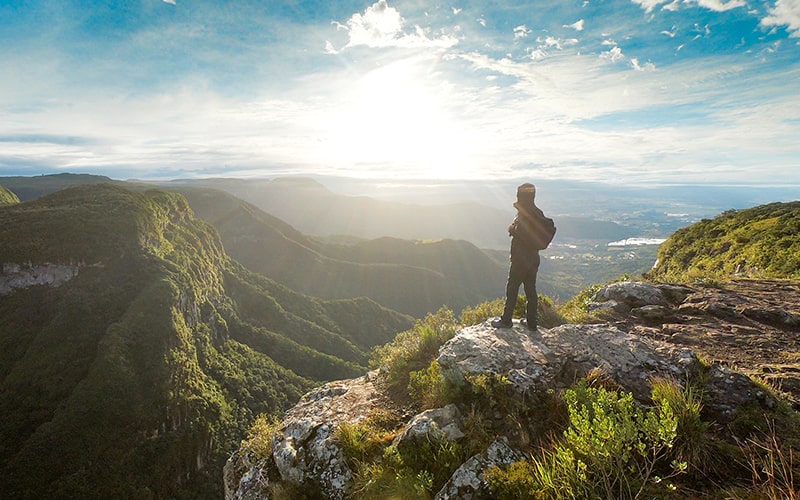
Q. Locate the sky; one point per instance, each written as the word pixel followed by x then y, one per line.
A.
pixel 618 91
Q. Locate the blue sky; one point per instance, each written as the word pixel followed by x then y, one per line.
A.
pixel 623 91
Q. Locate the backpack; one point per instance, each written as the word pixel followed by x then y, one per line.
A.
pixel 537 232
pixel 546 230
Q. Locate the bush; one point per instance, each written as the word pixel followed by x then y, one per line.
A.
pixel 362 441
pixel 427 388
pixel 414 349
pixel 410 472
pixel 611 449
pixel 259 438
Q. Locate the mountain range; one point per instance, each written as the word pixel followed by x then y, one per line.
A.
pixel 142 330
pixel 312 208
pixel 134 351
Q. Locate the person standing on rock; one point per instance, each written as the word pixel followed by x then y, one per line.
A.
pixel 530 232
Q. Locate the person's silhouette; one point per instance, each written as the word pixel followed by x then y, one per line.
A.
pixel 530 232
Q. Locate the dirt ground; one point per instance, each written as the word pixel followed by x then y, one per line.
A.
pixel 752 326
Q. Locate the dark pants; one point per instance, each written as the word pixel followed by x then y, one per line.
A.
pixel 522 272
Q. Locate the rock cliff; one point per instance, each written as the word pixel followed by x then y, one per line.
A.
pixel 671 331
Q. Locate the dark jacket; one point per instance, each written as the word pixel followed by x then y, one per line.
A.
pixel 526 234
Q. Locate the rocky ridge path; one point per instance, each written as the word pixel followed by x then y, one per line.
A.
pixel 751 326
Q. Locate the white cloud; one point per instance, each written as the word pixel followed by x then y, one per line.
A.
pixel 577 25
pixel 170 2
pixel 715 5
pixel 648 5
pixel 648 66
pixel 613 55
pixel 550 42
pixel 382 26
pixel 521 31
pixel 785 13
pixel 721 5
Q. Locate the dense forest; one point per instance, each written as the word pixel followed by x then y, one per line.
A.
pixel 137 376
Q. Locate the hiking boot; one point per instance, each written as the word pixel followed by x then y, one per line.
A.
pixel 501 323
pixel 531 328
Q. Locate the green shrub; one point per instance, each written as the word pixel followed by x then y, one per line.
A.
pixel 427 388
pixel 693 442
pixel 576 310
pixel 481 312
pixel 611 449
pixel 362 441
pixel 259 438
pixel 414 349
pixel 409 472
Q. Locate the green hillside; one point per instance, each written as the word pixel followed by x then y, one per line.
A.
pixel 139 375
pixel 761 242
pixel 408 276
pixel 7 197
pixel 28 188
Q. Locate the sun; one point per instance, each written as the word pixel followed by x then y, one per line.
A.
pixel 398 115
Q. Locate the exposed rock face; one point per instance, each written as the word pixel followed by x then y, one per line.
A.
pixel 467 482
pixel 436 424
pixel 304 452
pixel 752 325
pixel 658 340
pixel 25 275
pixel 556 357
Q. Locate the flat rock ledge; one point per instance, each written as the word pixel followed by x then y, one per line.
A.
pixel 535 361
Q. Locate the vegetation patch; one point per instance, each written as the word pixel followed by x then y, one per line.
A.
pixel 760 242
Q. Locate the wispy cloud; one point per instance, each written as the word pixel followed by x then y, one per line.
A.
pixel 714 5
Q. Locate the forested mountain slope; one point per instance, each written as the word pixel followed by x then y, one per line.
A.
pixel 760 242
pixel 412 277
pixel 134 352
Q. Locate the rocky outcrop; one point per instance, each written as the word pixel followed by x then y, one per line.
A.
pixel 752 325
pixel 441 424
pixel 306 454
pixel 557 357
pixel 304 451
pixel 651 330
pixel 467 482
pixel 16 276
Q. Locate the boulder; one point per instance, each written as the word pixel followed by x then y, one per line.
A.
pixel 467 482
pixel 632 294
pixel 559 356
pixel 304 450
pixel 439 424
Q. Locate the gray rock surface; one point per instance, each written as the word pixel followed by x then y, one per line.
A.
pixel 467 482
pixel 439 424
pixel 558 356
pixel 14 276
